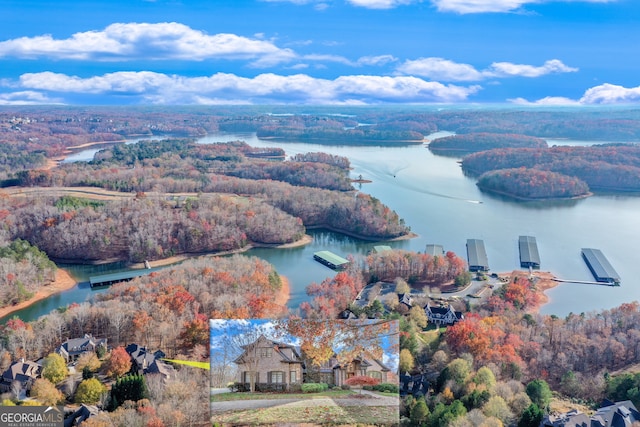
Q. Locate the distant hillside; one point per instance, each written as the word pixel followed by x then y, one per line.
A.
pixel 474 142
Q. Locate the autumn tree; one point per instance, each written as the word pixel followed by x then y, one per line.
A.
pixel 54 368
pixel 119 362
pixel 89 391
pixel 46 392
pixel 361 381
pixel 418 316
pixel 88 360
pixel 406 363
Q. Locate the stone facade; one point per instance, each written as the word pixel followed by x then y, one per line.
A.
pixel 273 363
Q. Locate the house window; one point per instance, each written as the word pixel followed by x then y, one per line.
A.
pixel 376 374
pixel 276 377
pixel 246 377
pixel 265 352
pixel 293 377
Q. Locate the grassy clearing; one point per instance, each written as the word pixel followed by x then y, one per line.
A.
pixel 327 415
pixel 227 397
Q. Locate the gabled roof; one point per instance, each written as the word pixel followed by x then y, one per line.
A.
pixel 618 414
pixel 405 299
pixel 142 358
pixel 76 345
pixel 278 346
pixel 22 371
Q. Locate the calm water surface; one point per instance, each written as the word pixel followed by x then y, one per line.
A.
pixel 444 207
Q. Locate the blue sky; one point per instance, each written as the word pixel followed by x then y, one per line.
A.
pixel 343 52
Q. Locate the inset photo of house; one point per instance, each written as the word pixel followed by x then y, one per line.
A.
pixel 306 372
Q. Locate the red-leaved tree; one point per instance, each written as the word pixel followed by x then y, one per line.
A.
pixel 362 380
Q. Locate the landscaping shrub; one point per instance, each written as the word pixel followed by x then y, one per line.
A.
pixel 387 388
pixel 314 387
pixel 345 387
pixel 269 387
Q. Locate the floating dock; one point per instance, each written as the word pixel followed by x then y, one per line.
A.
pixel 381 248
pixel 600 267
pixel 529 256
pixel 435 250
pixel 477 255
pixel 331 260
pixel 124 276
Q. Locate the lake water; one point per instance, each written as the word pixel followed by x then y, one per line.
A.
pixel 445 207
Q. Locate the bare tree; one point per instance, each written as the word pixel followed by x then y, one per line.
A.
pixel 242 340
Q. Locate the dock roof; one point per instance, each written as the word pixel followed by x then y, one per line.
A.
pixel 120 277
pixel 599 265
pixel 331 257
pixel 476 254
pixel 381 248
pixel 434 250
pixel 528 250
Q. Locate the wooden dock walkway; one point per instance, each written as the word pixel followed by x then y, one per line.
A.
pixel 585 282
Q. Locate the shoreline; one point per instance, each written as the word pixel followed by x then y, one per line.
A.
pixel 533 199
pixel 544 281
pixel 305 240
pixel 63 282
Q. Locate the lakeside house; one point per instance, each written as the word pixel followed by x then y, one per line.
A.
pixel 277 365
pixel 442 316
pixel 335 373
pixel 269 363
pixel 610 414
pixel 22 374
pixel 147 363
pixel 73 348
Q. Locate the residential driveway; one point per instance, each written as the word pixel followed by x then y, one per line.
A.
pixel 238 405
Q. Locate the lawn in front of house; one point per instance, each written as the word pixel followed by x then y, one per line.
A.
pixel 333 415
pixel 227 397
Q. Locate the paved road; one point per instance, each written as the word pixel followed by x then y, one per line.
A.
pixel 238 405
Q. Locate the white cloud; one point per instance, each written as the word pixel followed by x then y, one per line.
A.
pixel 380 4
pixel 376 60
pixel 27 98
pixel 611 94
pixel 264 88
pixel 446 70
pixel 161 41
pixel 547 101
pixel 440 69
pixel 603 94
pixel 498 6
pixel 508 69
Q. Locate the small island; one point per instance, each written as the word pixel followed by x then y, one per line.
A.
pixel 532 184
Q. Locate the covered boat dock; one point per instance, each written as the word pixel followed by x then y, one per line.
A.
pixel 331 260
pixel 529 256
pixel 477 255
pixel 600 267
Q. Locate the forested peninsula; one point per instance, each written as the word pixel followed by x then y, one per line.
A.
pixel 609 167
pixel 221 212
pixel 474 142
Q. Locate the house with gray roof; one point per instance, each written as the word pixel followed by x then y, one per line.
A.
pixel 24 372
pixel 442 315
pixel 73 348
pixel 146 363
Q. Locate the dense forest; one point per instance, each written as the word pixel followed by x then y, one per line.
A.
pixel 23 270
pixel 166 310
pixel 611 167
pixel 474 142
pixel 142 228
pixel 531 184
